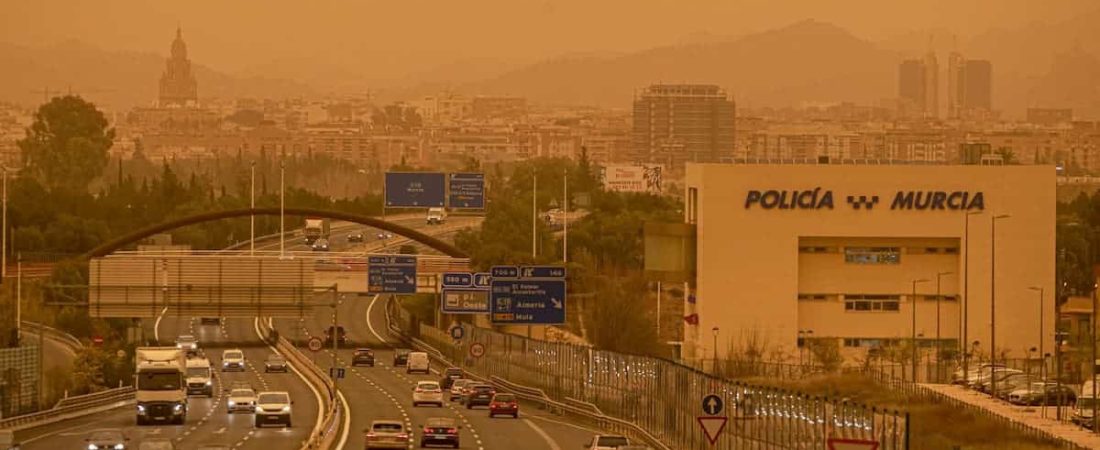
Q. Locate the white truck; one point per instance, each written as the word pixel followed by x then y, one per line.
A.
pixel 315 229
pixel 436 216
pixel 200 381
pixel 160 380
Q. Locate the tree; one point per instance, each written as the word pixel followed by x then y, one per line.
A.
pixel 66 146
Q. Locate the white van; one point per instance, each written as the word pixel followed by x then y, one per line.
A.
pixel 418 362
pixel 1082 409
pixel 436 216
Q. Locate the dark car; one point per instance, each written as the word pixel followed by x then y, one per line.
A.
pixel 449 376
pixel 504 405
pixel 275 363
pixel 1043 393
pixel 363 357
pixel 440 431
pixel 480 395
pixel 339 332
pixel 355 236
pixel 401 357
pixel 1011 383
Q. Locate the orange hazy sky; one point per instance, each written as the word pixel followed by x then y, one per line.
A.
pixel 397 36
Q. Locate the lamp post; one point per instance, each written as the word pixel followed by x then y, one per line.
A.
pixel 913 300
pixel 993 297
pixel 714 352
pixel 4 232
pixel 252 216
pixel 1043 367
pixel 282 209
pixel 803 335
pixel 939 298
pixel 964 316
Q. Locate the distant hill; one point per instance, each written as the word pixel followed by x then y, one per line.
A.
pixel 115 80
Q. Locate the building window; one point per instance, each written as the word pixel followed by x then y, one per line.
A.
pixel 811 249
pixel 872 255
pixel 946 298
pixel 872 302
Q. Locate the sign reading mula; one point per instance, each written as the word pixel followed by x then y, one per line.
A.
pixel 903 200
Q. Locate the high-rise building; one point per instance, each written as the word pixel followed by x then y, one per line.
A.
pixel 679 123
pixel 969 87
pixel 177 85
pixel 931 85
pixel 911 86
pixel 955 84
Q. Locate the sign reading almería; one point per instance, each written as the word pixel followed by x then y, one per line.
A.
pixel 902 200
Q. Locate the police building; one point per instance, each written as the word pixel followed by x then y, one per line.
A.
pixel 789 254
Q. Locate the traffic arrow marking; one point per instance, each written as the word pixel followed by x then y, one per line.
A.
pixel 851 444
pixel 713 426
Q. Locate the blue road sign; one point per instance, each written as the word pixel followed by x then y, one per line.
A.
pixel 415 189
pixel 465 300
pixel 391 274
pixel 519 301
pixel 482 280
pixel 542 272
pixel 504 272
pixel 467 190
pixel 458 279
pixel 336 372
pixel 712 405
pixel 457 332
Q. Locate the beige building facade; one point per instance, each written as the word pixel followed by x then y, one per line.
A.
pixel 787 253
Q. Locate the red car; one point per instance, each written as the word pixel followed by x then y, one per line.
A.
pixel 505 405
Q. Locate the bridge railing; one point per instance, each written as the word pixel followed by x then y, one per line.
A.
pixel 71 407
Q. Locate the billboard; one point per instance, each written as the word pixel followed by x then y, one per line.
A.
pixel 630 178
pixel 467 190
pixel 415 189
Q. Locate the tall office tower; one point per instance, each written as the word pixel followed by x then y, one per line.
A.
pixel 679 123
pixel 911 86
pixel 931 85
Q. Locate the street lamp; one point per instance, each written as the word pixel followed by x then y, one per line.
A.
pixel 939 298
pixel 1043 367
pixel 714 352
pixel 252 214
pixel 964 317
pixel 993 296
pixel 913 300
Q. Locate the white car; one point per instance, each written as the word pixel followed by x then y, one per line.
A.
pixel 607 442
pixel 387 434
pixel 187 342
pixel 458 388
pixel 418 362
pixel 199 379
pixel 273 407
pixel 241 400
pixel 427 392
pixel 233 359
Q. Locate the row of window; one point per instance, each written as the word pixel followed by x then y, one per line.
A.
pixel 893 297
pixel 879 255
pixel 882 342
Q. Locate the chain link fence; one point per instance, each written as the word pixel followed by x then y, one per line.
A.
pixel 666 398
pixel 18 380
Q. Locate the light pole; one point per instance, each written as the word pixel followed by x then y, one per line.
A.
pixel 939 299
pixel 282 209
pixel 993 297
pixel 714 352
pixel 534 213
pixel 4 232
pixel 252 215
pixel 1043 367
pixel 913 300
pixel 565 228
pixel 965 315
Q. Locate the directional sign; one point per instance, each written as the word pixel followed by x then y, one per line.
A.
pixel 391 274
pixel 712 427
pixel 458 279
pixel 315 344
pixel 482 280
pixel 465 300
pixel 712 405
pixel 457 332
pixel 467 190
pixel 528 295
pixel 851 444
pixel 415 189
pixel 477 350
pixel 336 372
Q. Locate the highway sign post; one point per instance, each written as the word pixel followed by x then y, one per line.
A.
pixel 465 293
pixel 467 190
pixel 315 344
pixel 711 422
pixel 336 372
pixel 457 332
pixel 712 405
pixel 391 274
pixel 851 444
pixel 528 295
pixel 415 189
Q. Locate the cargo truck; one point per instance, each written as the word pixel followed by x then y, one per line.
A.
pixel 313 230
pixel 160 381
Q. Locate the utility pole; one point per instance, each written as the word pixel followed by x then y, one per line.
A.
pixel 993 300
pixel 534 215
pixel 565 225
pixel 4 231
pixel 965 316
pixel 913 329
pixel 939 299
pixel 252 216
pixel 282 209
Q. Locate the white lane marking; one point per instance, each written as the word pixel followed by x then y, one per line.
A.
pixel 220 430
pixel 370 326
pixel 546 437
pixel 156 325
pixel 571 425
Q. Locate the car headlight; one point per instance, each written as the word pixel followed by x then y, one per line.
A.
pixel 209 382
pixel 232 403
pixel 141 408
pixel 119 447
pixel 286 408
pixel 177 408
pixel 91 447
pixel 179 345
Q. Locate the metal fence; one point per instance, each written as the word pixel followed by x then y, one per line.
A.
pixel 666 398
pixel 18 380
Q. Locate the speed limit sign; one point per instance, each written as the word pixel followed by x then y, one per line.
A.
pixel 477 350
pixel 315 344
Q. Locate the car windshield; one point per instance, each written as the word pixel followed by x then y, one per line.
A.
pixel 242 393
pixel 234 355
pixel 198 371
pixel 483 388
pixel 273 398
pixel 429 386
pixel 158 381
pixel 186 339
pixel 611 441
pixel 387 427
pixel 275 358
pixel 504 398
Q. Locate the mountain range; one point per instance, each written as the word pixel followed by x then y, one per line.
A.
pixel 1052 65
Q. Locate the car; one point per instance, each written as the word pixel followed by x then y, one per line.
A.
pixel 210 321
pixel 401 357
pixel 436 216
pixel 451 374
pixel 156 444
pixel 187 342
pixel 607 442
pixel 273 407
pixel 386 434
pixel 233 360
pixel 427 392
pixel 996 377
pixel 440 431
pixel 480 395
pixel 505 405
pixel 340 333
pixel 275 363
pixel 363 357
pixel 355 236
pixel 1012 383
pixel 1042 393
pixel 418 362
pixel 320 245
pixel 199 379
pixel 458 388
pixel 107 439
pixel 241 399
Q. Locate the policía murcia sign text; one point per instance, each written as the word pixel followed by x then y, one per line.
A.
pixel 818 198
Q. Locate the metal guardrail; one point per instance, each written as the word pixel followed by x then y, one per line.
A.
pixel 324 436
pixel 64 338
pixel 71 407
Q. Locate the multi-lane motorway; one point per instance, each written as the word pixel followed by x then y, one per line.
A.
pixel 371 393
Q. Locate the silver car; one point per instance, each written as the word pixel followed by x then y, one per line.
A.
pixel 387 434
pixel 108 439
